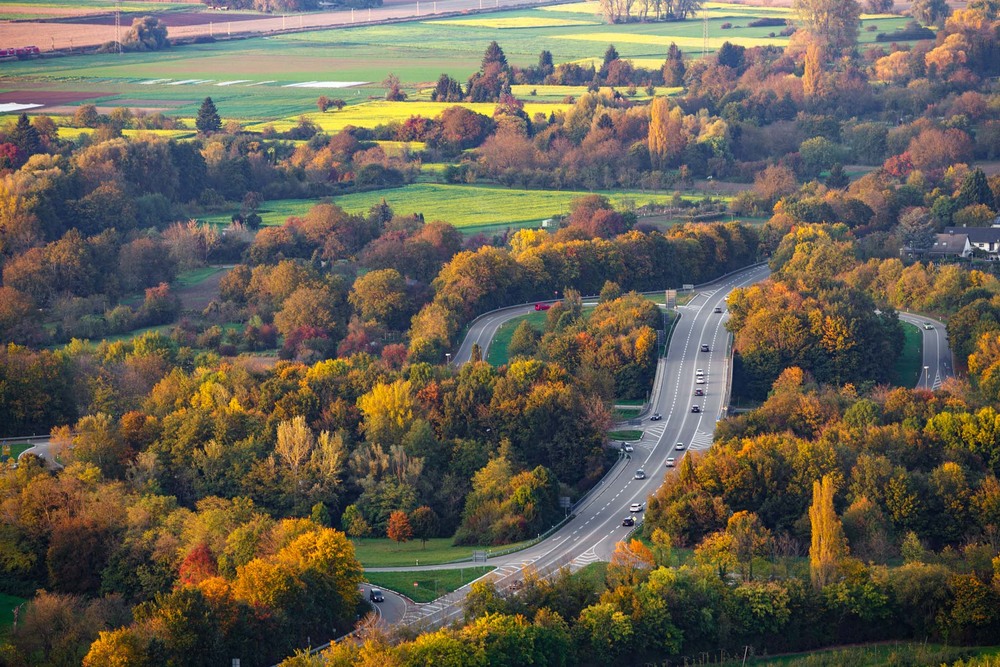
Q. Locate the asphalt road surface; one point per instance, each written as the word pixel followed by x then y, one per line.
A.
pixel 938 361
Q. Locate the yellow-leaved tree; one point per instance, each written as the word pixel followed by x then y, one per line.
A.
pixel 829 545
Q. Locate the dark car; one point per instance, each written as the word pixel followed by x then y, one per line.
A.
pixel 705 347
pixel 695 408
pixel 376 595
pixel 699 392
pixel 628 521
pixel 542 306
pixel 718 309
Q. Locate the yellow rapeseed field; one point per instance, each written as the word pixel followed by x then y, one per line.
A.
pixel 381 112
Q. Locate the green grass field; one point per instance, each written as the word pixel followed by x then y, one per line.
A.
pixel 7 604
pixel 426 585
pixel 195 276
pixel 383 552
pixel 908 367
pixel 460 205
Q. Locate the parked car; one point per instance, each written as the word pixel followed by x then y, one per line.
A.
pixel 637 507
pixel 640 474
pixel 695 408
pixel 705 347
pixel 699 392
pixel 656 417
pixel 542 306
pixel 376 595
pixel 718 309
pixel 671 461
pixel 628 521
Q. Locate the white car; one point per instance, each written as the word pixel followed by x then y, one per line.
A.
pixel 640 474
pixel 699 373
pixel 627 447
pixel 928 326
pixel 671 461
pixel 637 507
pixel 700 379
pixel 679 445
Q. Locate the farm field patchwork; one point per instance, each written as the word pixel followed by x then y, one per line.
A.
pixel 459 205
pixel 249 79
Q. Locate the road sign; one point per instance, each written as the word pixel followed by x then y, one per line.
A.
pixel 687 287
pixel 564 502
pixel 671 298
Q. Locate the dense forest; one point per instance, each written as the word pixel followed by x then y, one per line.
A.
pixel 209 490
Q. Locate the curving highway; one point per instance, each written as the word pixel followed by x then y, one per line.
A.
pixel 596 527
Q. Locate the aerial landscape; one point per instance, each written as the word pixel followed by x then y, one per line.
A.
pixel 499 332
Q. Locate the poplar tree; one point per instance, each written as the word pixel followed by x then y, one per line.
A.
pixel 829 546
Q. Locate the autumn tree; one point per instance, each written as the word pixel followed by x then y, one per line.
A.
pixel 666 134
pixel 399 530
pixel 831 23
pixel 829 546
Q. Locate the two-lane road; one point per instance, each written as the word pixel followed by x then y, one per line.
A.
pixel 937 356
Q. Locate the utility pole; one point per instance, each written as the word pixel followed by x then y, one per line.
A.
pixel 118 26
pixel 704 34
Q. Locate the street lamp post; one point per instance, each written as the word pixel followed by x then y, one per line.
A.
pixel 926 377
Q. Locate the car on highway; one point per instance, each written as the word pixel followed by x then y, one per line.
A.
pixel 671 461
pixel 705 347
pixel 628 521
pixel 679 445
pixel 718 309
pixel 376 595
pixel 656 417
pixel 928 326
pixel 542 306
pixel 700 379
pixel 695 408
pixel 699 392
pixel 640 474
pixel 699 373
pixel 627 447
pixel 637 507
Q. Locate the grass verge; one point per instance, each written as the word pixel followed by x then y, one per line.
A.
pixel 497 354
pixel 876 655
pixel 383 552
pixel 906 371
pixel 621 414
pixel 625 435
pixel 12 452
pixel 426 585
